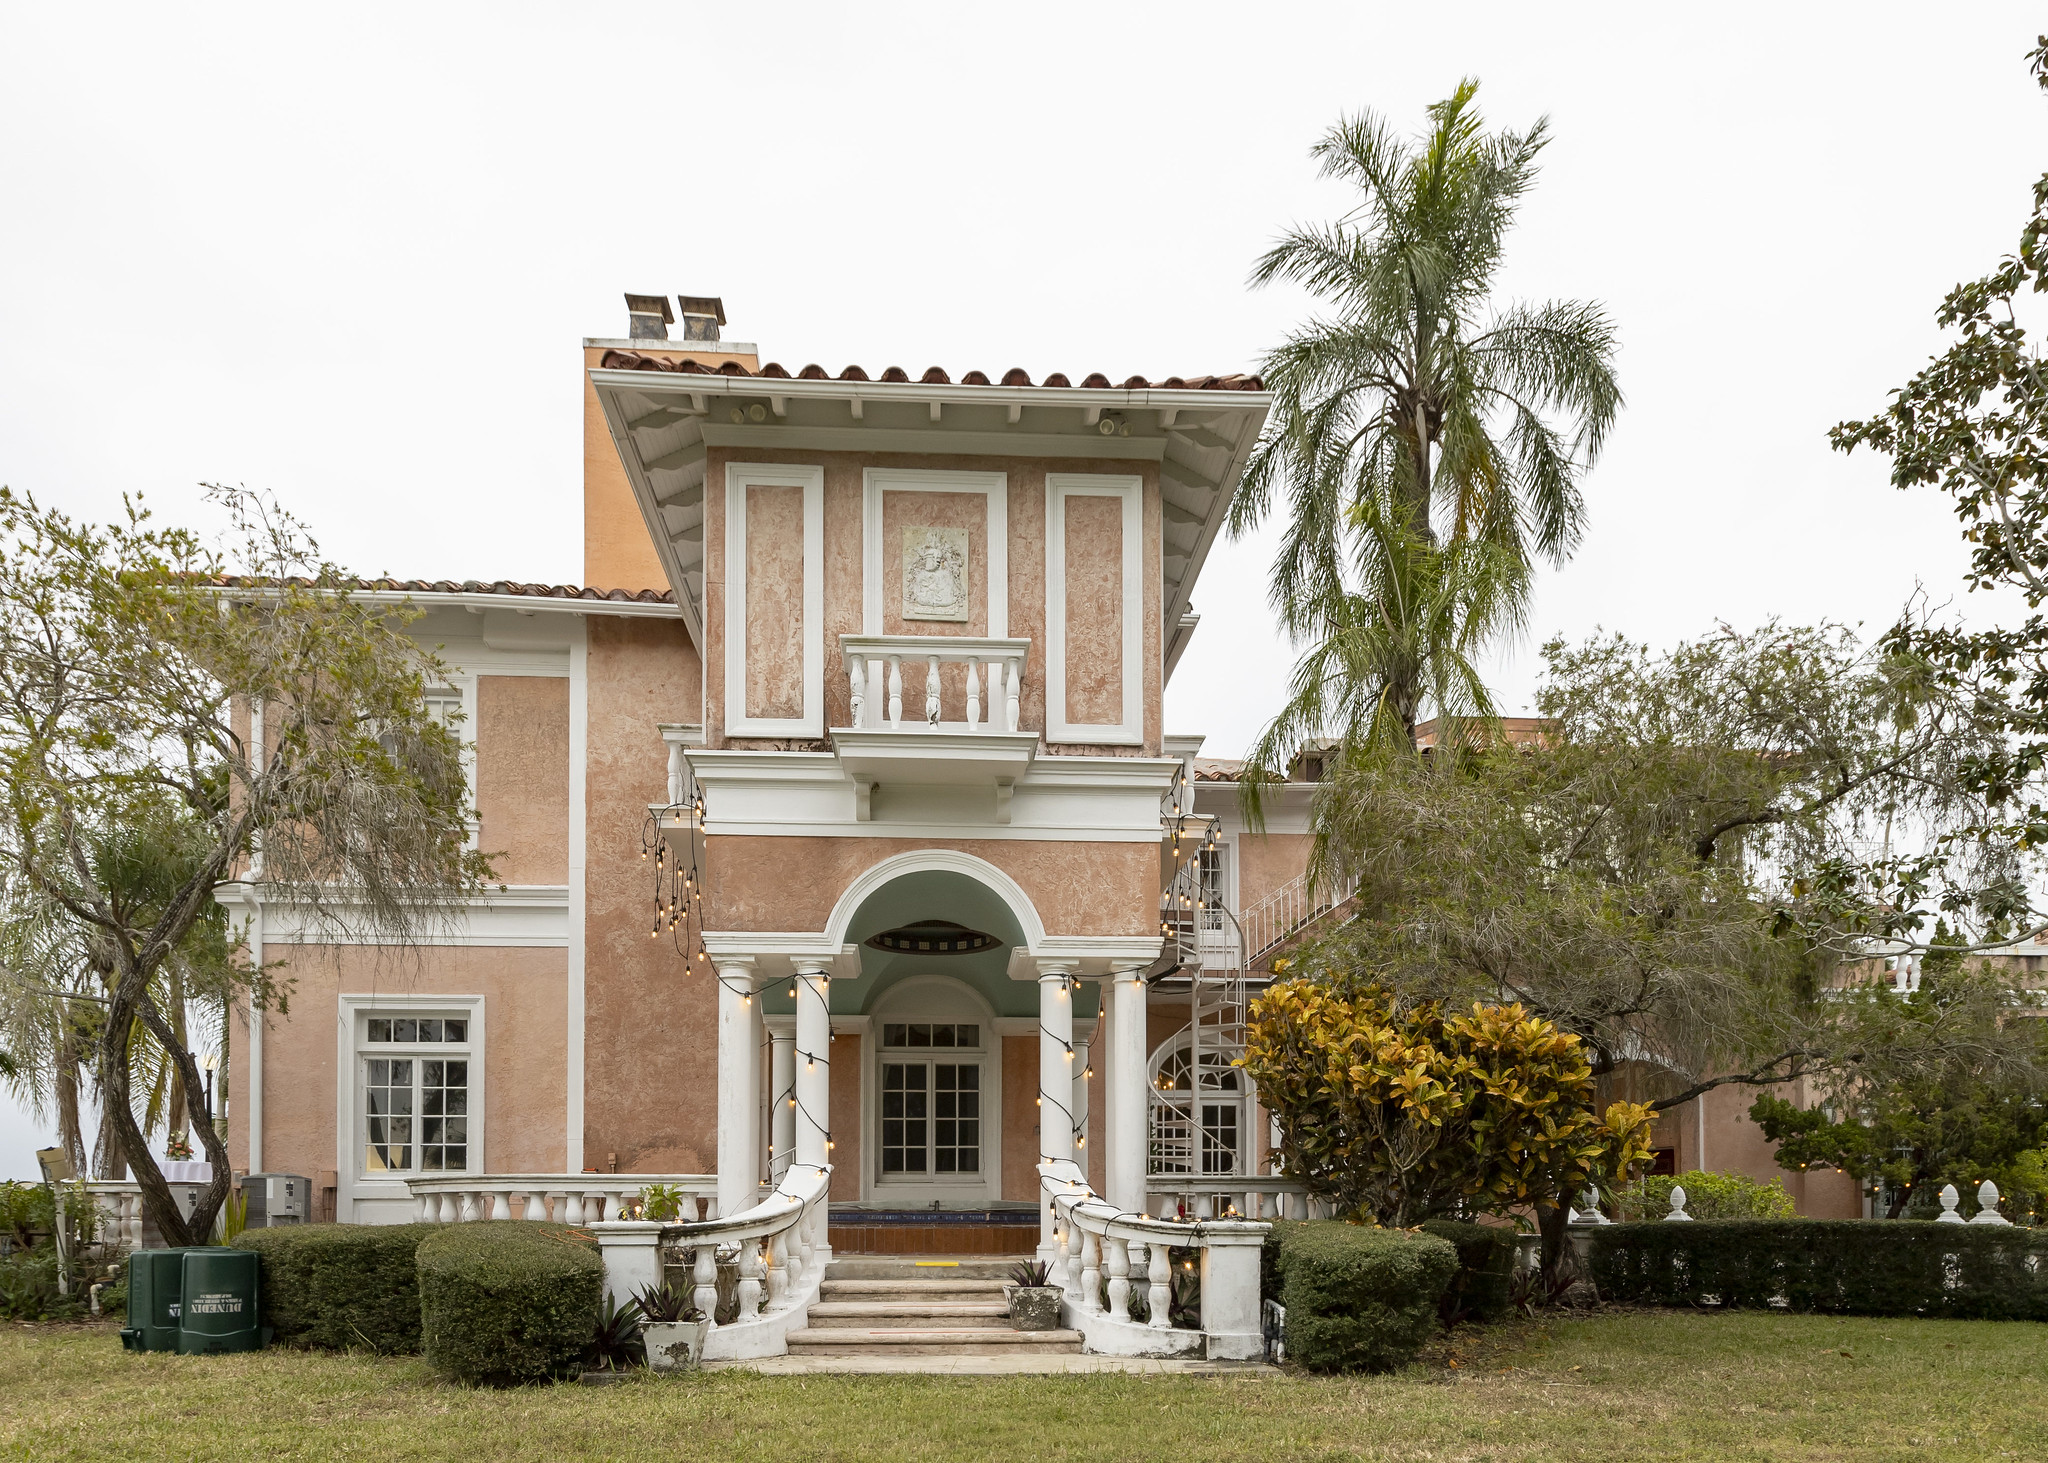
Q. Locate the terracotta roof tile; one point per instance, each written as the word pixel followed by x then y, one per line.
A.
pixel 622 360
pixel 478 586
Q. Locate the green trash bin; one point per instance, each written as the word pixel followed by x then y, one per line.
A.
pixel 217 1311
pixel 156 1287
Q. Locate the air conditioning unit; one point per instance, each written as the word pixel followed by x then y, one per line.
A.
pixel 276 1199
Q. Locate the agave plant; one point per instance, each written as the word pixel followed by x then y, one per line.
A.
pixel 1031 1274
pixel 664 1304
pixel 615 1344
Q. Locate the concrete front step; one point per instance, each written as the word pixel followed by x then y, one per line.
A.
pixel 931 1341
pixel 869 1314
pixel 907 1269
pixel 923 1292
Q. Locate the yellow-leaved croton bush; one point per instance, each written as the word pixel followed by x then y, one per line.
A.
pixel 1403 1113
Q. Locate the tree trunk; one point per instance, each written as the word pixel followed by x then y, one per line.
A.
pixel 70 1136
pixel 1551 1220
pixel 175 1111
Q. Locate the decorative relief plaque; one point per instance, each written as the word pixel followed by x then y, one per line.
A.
pixel 935 574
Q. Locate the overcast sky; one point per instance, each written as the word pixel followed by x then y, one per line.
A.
pixel 346 255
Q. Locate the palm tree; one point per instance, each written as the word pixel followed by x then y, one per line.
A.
pixel 1413 405
pixel 1408 638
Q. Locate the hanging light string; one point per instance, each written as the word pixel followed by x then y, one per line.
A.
pixel 679 875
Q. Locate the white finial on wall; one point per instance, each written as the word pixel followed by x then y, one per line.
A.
pixel 1987 1205
pixel 1948 1213
pixel 1678 1204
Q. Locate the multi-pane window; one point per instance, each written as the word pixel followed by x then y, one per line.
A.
pixel 928 1033
pixel 931 1110
pixel 1196 1132
pixel 415 1095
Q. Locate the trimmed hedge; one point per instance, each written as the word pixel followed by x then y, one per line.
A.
pixel 1357 1299
pixel 1480 1291
pixel 337 1286
pixel 508 1301
pixel 1854 1267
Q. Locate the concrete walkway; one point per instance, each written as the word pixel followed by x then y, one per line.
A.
pixel 989 1366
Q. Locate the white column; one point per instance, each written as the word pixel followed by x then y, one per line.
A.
pixel 631 1253
pixel 1055 1079
pixel 1079 1101
pixel 739 1084
pixel 813 1062
pixel 781 1095
pixel 1126 1092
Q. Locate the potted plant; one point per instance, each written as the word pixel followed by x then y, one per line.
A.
pixel 673 1330
pixel 1034 1304
pixel 662 1202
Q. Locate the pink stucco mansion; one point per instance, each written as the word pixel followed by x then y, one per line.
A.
pixel 840 831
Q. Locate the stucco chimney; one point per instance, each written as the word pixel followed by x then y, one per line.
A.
pixel 702 315
pixel 648 317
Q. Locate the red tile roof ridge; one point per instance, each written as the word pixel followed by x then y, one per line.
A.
pixel 621 360
pixel 468 586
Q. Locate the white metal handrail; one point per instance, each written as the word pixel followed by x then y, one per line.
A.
pixel 566 1198
pixel 1287 911
pixel 874 672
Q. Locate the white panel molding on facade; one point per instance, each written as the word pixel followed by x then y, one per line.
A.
pixel 1129 491
pixel 518 915
pixel 995 486
pixel 739 477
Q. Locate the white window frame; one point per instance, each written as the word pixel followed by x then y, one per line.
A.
pixel 995 486
pixel 1245 1100
pixel 932 997
pixel 352 1012
pixel 740 476
pixel 1060 486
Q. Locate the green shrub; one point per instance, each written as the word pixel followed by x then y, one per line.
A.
pixel 337 1286
pixel 28 1287
pixel 1486 1269
pixel 1858 1267
pixel 1357 1299
pixel 508 1301
pixel 1707 1196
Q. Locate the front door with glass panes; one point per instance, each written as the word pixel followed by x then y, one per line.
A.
pixel 932 1086
pixel 414 1085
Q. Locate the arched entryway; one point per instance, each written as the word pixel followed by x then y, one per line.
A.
pixel 1190 1131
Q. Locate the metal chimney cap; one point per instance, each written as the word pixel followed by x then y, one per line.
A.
pixel 650 305
pixel 710 305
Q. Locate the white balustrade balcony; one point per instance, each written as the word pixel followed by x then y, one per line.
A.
pixel 566 1198
pixel 1216 1195
pixel 911 727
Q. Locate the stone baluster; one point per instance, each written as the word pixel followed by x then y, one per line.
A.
pixel 704 1272
pixel 751 1269
pixel 1119 1265
pixel 501 1204
pixel 1091 1272
pixel 931 692
pixel 467 1213
pixel 857 686
pixel 1205 1206
pixel 778 1269
pixel 572 1207
pixel 614 1205
pixel 1013 692
pixel 425 1208
pixel 1160 1295
pixel 675 774
pixel 973 694
pixel 1067 1264
pixel 895 693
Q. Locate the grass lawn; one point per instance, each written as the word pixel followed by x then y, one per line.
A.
pixel 1618 1386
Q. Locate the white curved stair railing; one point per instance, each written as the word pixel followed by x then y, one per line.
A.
pixel 781 1247
pixel 1097 1241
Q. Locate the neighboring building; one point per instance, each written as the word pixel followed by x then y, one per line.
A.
pixel 840 825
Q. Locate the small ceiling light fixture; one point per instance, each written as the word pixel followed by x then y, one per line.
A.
pixel 933 937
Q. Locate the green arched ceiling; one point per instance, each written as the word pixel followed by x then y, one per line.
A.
pixel 934 894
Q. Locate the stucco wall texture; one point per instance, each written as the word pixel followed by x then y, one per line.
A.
pixel 522 776
pixel 1094 553
pixel 775 602
pixel 650 1020
pixel 525 1030
pixel 842 555
pixel 755 883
